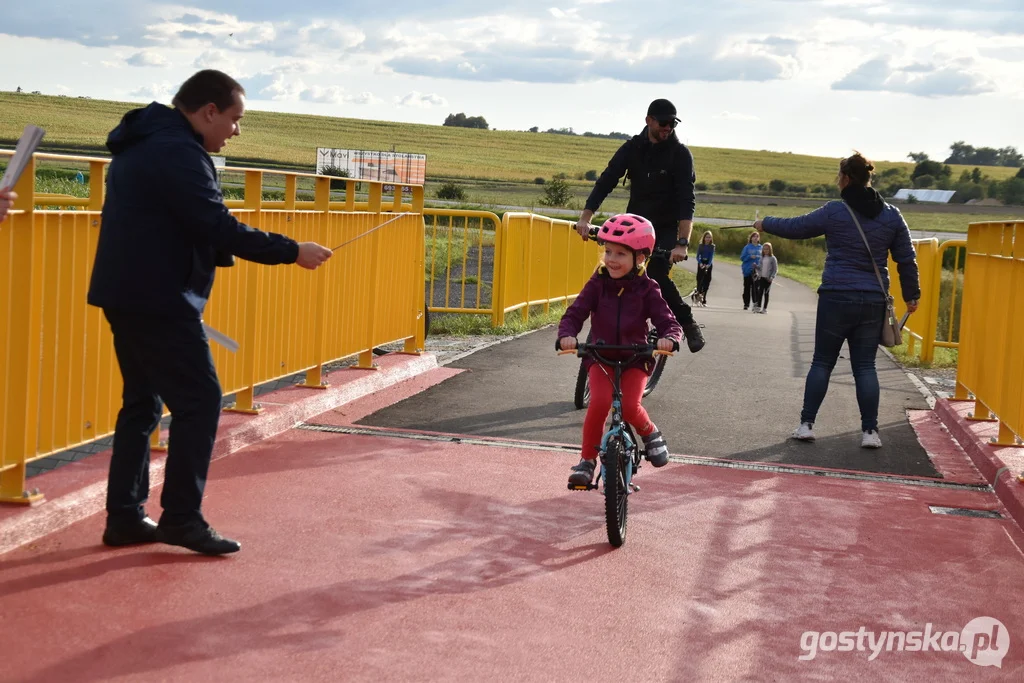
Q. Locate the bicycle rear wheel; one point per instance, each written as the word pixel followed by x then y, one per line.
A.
pixel 652 381
pixel 616 498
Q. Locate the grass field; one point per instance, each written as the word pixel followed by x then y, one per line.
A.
pixel 290 140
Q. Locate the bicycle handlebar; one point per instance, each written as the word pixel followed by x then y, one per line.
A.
pixel 661 253
pixel 583 349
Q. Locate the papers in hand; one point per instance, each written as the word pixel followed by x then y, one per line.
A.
pixel 22 153
pixel 221 338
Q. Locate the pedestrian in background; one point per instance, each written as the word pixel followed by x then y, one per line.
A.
pixel 165 229
pixel 705 265
pixel 767 269
pixel 750 259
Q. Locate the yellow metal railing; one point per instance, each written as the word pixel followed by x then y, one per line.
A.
pixel 541 261
pixel 461 263
pixel 935 306
pixel 991 363
pixel 60 385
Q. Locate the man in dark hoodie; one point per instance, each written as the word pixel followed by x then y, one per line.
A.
pixel 661 177
pixel 165 230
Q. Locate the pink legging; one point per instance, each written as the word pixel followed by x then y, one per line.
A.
pixel 633 382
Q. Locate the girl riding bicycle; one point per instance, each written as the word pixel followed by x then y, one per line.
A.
pixel 620 298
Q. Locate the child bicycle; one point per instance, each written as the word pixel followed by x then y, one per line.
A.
pixel 620 450
pixel 581 397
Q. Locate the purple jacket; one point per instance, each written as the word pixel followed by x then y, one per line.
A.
pixel 619 310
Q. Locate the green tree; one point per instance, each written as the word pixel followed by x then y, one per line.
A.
pixel 1011 191
pixel 556 193
pixel 976 175
pixel 460 120
pixel 931 168
pixel 917 157
pixel 451 190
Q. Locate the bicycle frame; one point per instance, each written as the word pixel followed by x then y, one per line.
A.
pixel 620 428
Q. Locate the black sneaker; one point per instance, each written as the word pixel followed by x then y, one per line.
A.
pixel 200 538
pixel 655 449
pixel 694 338
pixel 119 533
pixel 582 474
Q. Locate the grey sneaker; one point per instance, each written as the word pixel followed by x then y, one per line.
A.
pixel 805 432
pixel 871 439
pixel 582 474
pixel 655 449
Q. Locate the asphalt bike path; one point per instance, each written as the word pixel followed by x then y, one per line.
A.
pixel 737 398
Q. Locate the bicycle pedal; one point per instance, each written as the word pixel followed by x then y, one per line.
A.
pixel 573 487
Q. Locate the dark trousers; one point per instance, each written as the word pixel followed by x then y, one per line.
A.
pixel 658 269
pixel 762 287
pixel 856 318
pixel 748 286
pixel 704 279
pixel 164 359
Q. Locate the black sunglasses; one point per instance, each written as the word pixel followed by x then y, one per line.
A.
pixel 667 123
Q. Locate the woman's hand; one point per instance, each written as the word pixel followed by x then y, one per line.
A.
pixel 7 198
pixel 912 306
pixel 665 344
pixel 567 343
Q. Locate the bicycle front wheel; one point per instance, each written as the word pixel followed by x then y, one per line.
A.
pixel 616 498
pixel 582 397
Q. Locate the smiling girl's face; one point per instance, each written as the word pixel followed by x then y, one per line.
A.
pixel 619 260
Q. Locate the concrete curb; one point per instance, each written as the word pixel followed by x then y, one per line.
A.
pixel 974 441
pixel 82 491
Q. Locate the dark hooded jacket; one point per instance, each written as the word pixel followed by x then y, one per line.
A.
pixel 165 227
pixel 661 183
pixel 619 311
pixel 847 264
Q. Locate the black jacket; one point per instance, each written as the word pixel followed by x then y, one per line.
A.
pixel 165 227
pixel 661 180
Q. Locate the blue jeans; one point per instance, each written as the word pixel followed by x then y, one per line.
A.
pixel 856 318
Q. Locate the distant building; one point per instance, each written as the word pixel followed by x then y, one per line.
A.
pixel 935 196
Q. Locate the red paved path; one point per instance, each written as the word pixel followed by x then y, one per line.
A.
pixel 373 558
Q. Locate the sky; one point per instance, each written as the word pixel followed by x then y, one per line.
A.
pixel 822 77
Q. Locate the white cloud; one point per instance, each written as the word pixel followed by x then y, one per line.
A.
pixel 147 58
pixel 331 94
pixel 735 116
pixel 365 97
pixel 159 92
pixel 956 78
pixel 425 100
pixel 221 60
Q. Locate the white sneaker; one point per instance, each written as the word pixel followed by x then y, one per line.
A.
pixel 870 439
pixel 755 309
pixel 804 432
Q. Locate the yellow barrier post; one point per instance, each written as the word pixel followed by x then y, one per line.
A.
pixel 20 382
pixel 315 375
pixel 418 343
pixel 244 402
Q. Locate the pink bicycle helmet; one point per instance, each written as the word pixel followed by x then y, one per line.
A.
pixel 629 230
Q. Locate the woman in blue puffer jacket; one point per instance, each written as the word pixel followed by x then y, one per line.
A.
pixel 851 304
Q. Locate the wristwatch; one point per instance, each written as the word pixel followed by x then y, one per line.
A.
pixel 683 242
